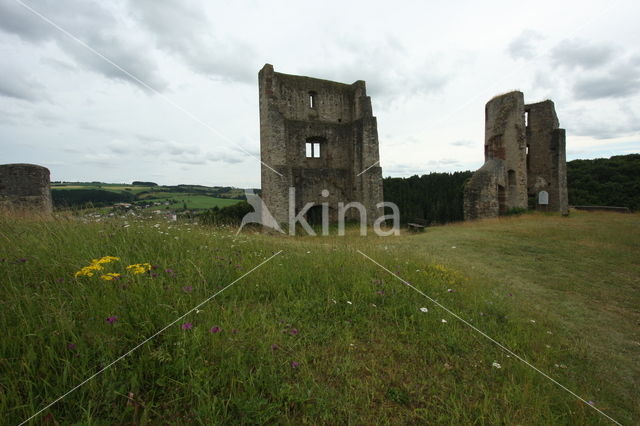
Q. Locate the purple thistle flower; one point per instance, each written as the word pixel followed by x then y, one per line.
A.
pixel 170 271
pixel 187 289
pixel 215 329
pixel 71 346
pixel 295 364
pixel 380 292
pixel 187 326
pixel 294 331
pixel 112 319
pixel 153 275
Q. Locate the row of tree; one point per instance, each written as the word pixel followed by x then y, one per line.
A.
pixel 82 197
pixel 438 197
pixel 611 181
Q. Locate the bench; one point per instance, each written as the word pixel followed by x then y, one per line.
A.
pixel 417 225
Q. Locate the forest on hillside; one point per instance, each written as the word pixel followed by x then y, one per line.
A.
pixel 611 181
pixel 438 197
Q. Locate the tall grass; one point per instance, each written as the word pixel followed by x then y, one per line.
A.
pixel 317 335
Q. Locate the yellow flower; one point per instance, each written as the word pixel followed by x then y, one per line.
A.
pixel 96 265
pixel 87 271
pixel 110 276
pixel 105 259
pixel 139 268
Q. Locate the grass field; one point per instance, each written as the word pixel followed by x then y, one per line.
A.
pixel 319 334
pixel 196 197
pixel 191 200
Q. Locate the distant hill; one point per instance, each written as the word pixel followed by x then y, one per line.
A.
pixel 611 181
pixel 144 195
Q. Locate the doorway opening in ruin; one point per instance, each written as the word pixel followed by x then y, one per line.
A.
pixel 314 215
pixel 511 188
pixel 502 198
pixel 511 179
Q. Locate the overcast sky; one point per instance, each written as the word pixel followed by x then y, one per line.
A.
pixel 166 90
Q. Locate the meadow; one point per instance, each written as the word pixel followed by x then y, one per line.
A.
pixel 180 197
pixel 318 333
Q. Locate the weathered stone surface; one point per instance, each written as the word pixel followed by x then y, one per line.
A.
pixel 546 158
pixel 25 186
pixel 533 156
pixel 485 192
pixel 295 110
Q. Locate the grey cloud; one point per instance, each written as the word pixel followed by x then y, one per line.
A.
pixel 150 138
pixel 120 147
pixel 91 23
pixel 581 54
pixel 227 158
pixel 84 125
pixel 10 117
pixel 182 28
pixel 387 67
pixel 463 143
pixel 600 129
pixel 524 46
pixel 586 122
pixel 193 154
pixel 18 84
pixel 403 169
pixel 620 82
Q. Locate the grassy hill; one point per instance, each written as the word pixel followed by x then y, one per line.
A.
pixel 320 334
pixel 177 197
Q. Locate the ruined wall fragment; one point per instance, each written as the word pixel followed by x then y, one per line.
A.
pixel 25 187
pixel 295 110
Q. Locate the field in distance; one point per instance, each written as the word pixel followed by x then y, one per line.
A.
pixel 144 196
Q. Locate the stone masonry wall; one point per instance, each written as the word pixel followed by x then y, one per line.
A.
pixel 521 159
pixel 546 158
pixel 341 120
pixel 25 186
pixel 505 139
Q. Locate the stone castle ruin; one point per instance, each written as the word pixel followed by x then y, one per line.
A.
pixel 25 187
pixel 319 136
pixel 525 160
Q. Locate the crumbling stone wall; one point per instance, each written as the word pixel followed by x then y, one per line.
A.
pixel 546 157
pixel 25 186
pixel 295 110
pixel 523 156
pixel 484 193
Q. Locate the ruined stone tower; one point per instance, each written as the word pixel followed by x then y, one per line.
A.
pixel 25 186
pixel 525 160
pixel 317 135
